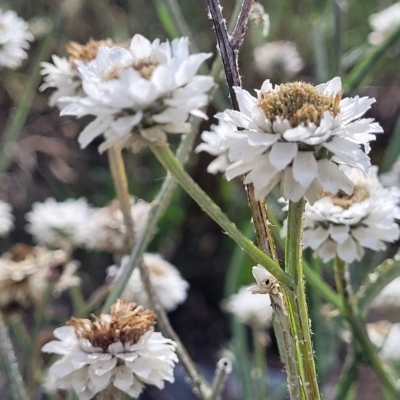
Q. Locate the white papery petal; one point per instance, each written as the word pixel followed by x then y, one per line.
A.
pixel 339 233
pixel 290 188
pixel 347 251
pixel 305 168
pixel 332 179
pixel 282 154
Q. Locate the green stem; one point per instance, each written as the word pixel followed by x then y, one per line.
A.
pixel 171 164
pixel 260 362
pixel 348 376
pixel 298 309
pixel 359 332
pixel 78 301
pixel 223 370
pixel 7 353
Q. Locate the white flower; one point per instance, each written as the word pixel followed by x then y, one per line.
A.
pixel 212 144
pixel 115 354
pixel 140 94
pixel 169 286
pixel 59 225
pixel 384 23
pixel 278 60
pixel 386 337
pixel 63 74
pixel 107 230
pixel 389 295
pixel 296 133
pixel 6 218
pixel 249 308
pixel 259 16
pixel 14 39
pixel 344 225
pixel 25 272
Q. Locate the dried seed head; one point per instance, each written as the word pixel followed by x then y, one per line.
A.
pixel 126 323
pixel 298 102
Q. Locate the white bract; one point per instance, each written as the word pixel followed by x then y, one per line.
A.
pixel 342 225
pixel 249 308
pixel 278 60
pixel 107 230
pixel 139 94
pixel 296 134
pixel 384 23
pixel 212 144
pixel 113 355
pixel 6 218
pixel 59 225
pixel 14 39
pixel 169 286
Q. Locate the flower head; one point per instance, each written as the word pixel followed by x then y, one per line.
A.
pixel 296 134
pixel 6 219
pixel 278 60
pixel 344 225
pixel 169 286
pixel 384 23
pixel 212 144
pixel 249 308
pixel 63 74
pixel 59 225
pixel 25 272
pixel 14 39
pixel 107 230
pixel 139 94
pixel 114 354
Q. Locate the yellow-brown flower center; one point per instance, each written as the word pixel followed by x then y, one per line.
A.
pixel 344 200
pixel 88 51
pixel 126 323
pixel 20 251
pixel 298 102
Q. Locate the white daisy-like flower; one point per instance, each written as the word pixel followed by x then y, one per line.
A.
pixel 384 23
pixel 25 273
pixel 138 95
pixel 107 230
pixel 169 286
pixel 389 296
pixel 251 309
pixel 59 225
pixel 63 74
pixel 343 225
pixel 113 355
pixel 212 144
pixel 6 218
pixel 278 60
pixel 386 337
pixel 296 134
pixel 14 39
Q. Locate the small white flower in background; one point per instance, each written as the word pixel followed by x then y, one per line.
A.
pixel 249 308
pixel 107 230
pixel 384 24
pixel 169 286
pixel 6 218
pixel 212 144
pixel 278 60
pixel 113 355
pixel 63 74
pixel 59 225
pixel 14 39
pixel 389 296
pixel 25 273
pixel 386 337
pixel 138 95
pixel 296 134
pixel 344 225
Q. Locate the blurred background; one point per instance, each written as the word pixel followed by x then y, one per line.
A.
pixel 46 160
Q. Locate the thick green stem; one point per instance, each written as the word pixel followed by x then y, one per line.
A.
pixel 359 332
pixel 297 306
pixel 171 164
